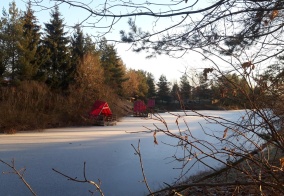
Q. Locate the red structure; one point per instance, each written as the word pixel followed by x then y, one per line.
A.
pixel 100 108
pixel 140 108
pixel 101 114
pixel 151 103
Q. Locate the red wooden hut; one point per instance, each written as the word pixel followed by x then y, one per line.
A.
pixel 140 109
pixel 101 114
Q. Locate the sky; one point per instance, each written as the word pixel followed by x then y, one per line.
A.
pixel 172 68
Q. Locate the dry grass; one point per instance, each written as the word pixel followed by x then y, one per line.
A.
pixel 33 106
pixel 23 107
pixel 254 171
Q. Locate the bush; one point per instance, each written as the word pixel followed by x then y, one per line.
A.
pixel 33 106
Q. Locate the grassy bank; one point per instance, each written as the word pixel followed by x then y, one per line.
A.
pixel 33 106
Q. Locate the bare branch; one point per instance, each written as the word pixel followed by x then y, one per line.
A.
pixel 85 180
pixel 19 173
pixel 138 152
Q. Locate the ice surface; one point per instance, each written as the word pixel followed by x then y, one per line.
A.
pixel 107 152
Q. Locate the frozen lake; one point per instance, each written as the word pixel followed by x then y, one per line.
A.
pixel 107 152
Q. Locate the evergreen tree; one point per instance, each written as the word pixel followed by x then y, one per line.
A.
pixel 10 36
pixel 43 61
pixel 77 43
pixel 230 90
pixel 163 89
pixel 273 77
pixel 143 87
pixel 175 92
pixel 58 65
pixel 29 58
pixel 151 85
pixel 89 46
pixel 3 51
pixel 108 60
pixel 77 50
pixel 185 88
pixel 203 90
pixel 118 73
pixel 114 69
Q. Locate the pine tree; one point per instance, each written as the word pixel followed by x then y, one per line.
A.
pixel 151 84
pixel 230 89
pixel 77 50
pixel 175 92
pixel 3 51
pixel 143 87
pixel 185 88
pixel 29 58
pixel 89 46
pixel 58 65
pixel 118 74
pixel 163 91
pixel 202 91
pixel 114 69
pixel 108 60
pixel 43 61
pixel 10 36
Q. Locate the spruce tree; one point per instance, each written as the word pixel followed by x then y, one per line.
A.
pixel 89 46
pixel 108 58
pixel 118 77
pixel 143 87
pixel 77 44
pixel 77 50
pixel 29 58
pixel 56 42
pixel 175 92
pixel 10 36
pixel 185 88
pixel 114 69
pixel 3 51
pixel 163 89
pixel 151 84
pixel 202 91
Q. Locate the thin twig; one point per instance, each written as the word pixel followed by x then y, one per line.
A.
pixel 82 181
pixel 138 152
pixel 18 173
